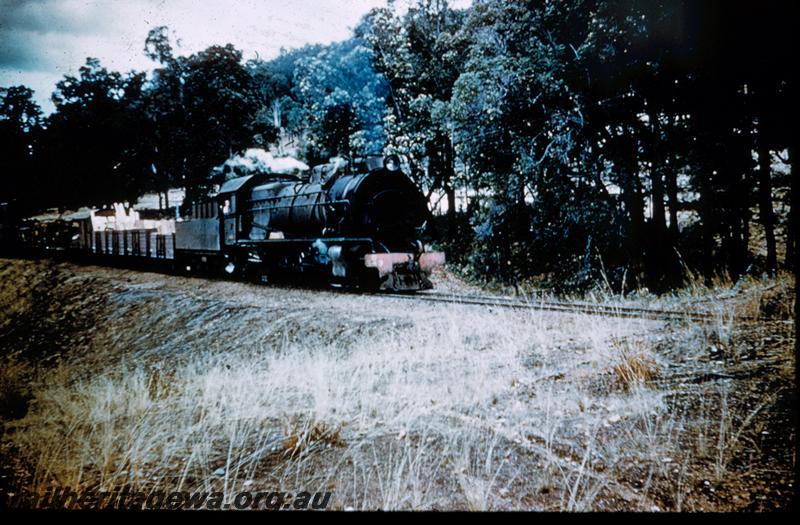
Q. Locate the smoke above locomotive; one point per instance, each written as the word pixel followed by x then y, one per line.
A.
pixel 350 222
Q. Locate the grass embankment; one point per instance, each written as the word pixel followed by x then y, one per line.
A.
pixel 183 384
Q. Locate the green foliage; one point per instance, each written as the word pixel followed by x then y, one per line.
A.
pixel 519 106
pixel 420 54
pixel 275 85
pixel 204 108
pixel 92 150
pixel 342 100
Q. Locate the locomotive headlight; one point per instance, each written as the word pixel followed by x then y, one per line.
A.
pixel 391 162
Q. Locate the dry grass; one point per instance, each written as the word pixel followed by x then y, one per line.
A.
pixel 391 407
pixel 420 417
pixel 14 389
pixel 634 365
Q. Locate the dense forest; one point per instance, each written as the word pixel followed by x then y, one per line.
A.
pixel 572 142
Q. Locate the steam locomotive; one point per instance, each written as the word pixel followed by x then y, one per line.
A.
pixel 348 223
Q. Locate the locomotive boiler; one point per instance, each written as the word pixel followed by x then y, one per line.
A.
pixel 349 223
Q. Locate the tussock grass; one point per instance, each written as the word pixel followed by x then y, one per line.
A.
pixel 634 365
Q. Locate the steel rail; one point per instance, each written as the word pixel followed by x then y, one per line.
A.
pixel 606 310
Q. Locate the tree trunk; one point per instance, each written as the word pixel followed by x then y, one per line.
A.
pixel 632 196
pixel 451 202
pixel 707 219
pixel 791 260
pixel 448 167
pixel 656 177
pixel 671 183
pixel 739 216
pixel 671 179
pixel 791 233
pixel 738 169
pixel 276 121
pixel 765 202
pixel 659 218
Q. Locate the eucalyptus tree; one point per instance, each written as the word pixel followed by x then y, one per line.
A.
pixel 421 55
pixel 92 150
pixel 20 126
pixel 203 108
pixel 343 101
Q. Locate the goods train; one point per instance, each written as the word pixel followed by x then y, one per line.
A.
pixel 356 223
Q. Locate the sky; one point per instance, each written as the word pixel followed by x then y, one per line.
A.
pixel 43 40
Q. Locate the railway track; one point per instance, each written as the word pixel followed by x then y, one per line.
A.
pixel 579 307
pixel 543 304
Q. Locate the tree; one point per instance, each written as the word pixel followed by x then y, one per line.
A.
pixel 279 107
pixel 20 124
pixel 203 108
pixel 420 55
pixel 92 151
pixel 343 101
pixel 521 105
